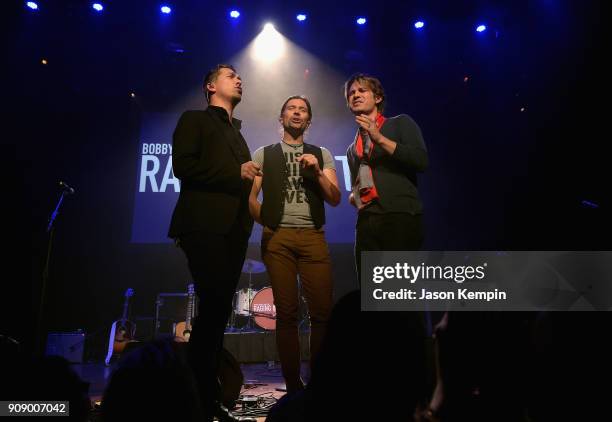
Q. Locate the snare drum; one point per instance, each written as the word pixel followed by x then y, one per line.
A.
pixel 242 298
pixel 263 309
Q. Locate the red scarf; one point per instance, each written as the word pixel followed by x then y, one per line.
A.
pixel 369 194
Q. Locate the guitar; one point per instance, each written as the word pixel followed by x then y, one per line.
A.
pixel 182 330
pixel 122 331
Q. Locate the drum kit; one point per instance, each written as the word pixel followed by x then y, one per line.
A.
pixel 256 305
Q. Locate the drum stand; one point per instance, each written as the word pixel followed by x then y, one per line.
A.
pixel 231 324
pixel 249 324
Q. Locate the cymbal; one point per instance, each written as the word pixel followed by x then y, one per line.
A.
pixel 253 267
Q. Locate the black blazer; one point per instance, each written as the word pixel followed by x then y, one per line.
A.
pixel 395 176
pixel 207 152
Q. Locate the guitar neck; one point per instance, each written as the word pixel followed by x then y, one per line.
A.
pixel 188 318
pixel 126 309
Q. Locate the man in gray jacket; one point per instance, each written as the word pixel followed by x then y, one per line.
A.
pixel 384 160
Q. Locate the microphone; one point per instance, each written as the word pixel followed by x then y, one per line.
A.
pixel 67 188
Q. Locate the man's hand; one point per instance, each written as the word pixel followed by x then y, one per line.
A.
pixel 352 200
pixel 309 161
pixel 369 126
pixel 249 170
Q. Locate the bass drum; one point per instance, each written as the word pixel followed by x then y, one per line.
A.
pixel 263 309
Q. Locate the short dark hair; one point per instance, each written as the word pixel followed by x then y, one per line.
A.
pixel 369 81
pixel 298 97
pixel 212 75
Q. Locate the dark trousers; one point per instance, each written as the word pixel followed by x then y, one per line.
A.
pixel 215 262
pixel 387 232
pixel 287 253
pixel 396 232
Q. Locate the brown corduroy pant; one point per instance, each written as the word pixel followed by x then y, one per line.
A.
pixel 287 253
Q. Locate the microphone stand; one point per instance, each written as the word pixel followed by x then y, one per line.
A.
pixel 45 275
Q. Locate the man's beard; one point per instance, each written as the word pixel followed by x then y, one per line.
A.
pixel 294 131
pixel 235 100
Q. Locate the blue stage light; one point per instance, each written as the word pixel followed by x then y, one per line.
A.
pixel 590 204
pixel 361 21
pixel 481 28
pixel 97 7
pixel 234 14
pixel 301 17
pixel 166 10
pixel 32 5
pixel 419 24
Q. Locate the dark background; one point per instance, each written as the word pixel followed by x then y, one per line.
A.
pixel 499 178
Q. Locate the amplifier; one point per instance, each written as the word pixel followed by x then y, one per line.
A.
pixel 69 345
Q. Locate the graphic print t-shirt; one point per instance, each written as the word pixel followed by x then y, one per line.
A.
pixel 297 210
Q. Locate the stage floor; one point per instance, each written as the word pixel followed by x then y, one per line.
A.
pixel 261 379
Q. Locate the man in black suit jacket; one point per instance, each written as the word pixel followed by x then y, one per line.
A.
pixel 211 222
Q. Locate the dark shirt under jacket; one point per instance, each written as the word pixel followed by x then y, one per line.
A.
pixel 207 154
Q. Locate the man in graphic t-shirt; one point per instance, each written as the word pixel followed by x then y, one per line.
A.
pixel 297 179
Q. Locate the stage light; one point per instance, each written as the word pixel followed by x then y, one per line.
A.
pixel 301 17
pixel 97 7
pixel 269 44
pixel 32 5
pixel 361 21
pixel 166 10
pixel 132 95
pixel 481 28
pixel 590 204
pixel 44 61
pixel 419 24
pixel 234 14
